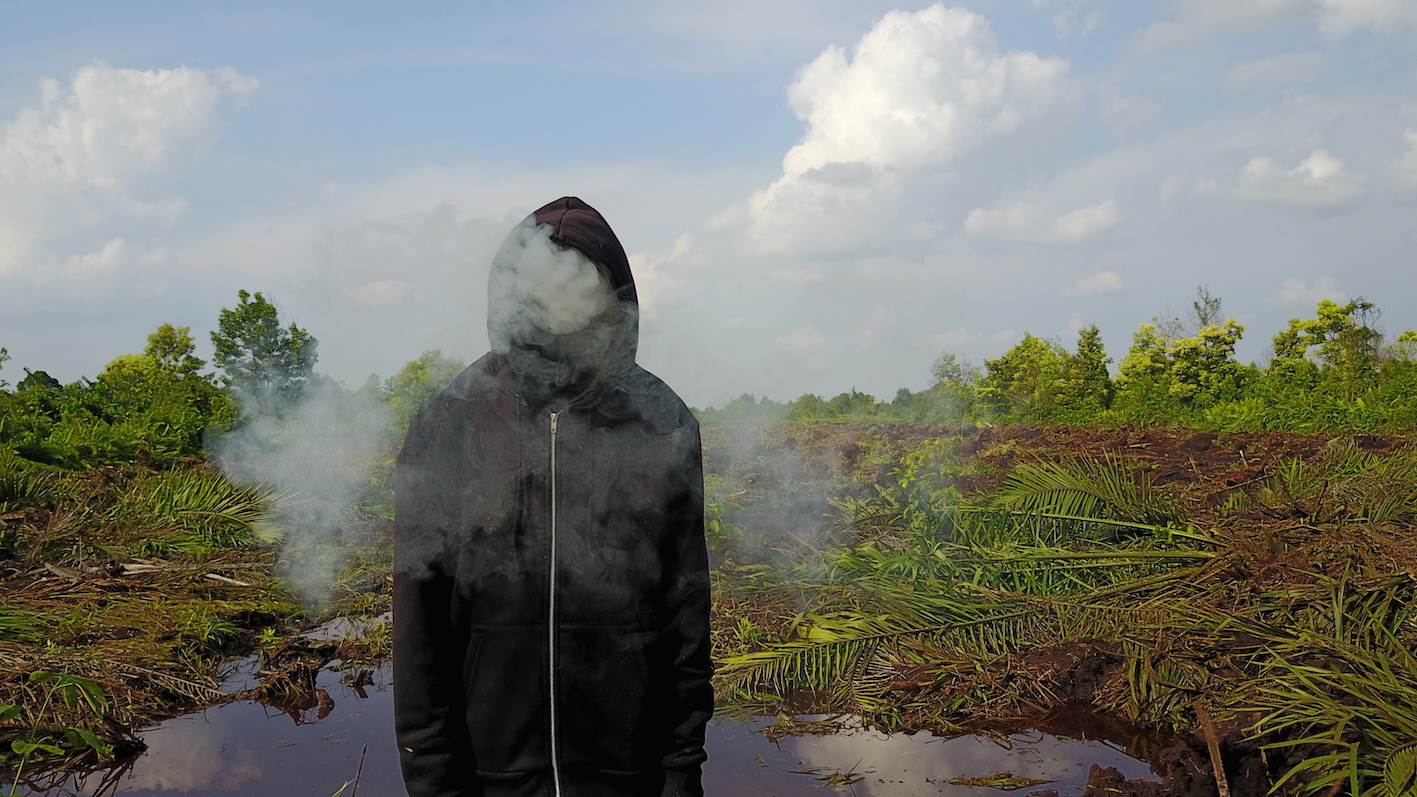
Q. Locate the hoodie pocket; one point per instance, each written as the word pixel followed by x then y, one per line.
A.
pixel 604 710
pixel 506 703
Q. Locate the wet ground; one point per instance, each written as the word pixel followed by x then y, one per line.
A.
pixel 249 748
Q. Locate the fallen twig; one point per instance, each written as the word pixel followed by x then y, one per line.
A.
pixel 225 580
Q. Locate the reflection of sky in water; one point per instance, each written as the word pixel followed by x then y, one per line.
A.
pixel 246 748
pixel 900 765
pixel 195 753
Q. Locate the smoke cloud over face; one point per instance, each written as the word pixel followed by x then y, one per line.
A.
pixel 552 314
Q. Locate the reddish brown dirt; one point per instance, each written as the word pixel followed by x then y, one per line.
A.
pixel 779 479
pixel 865 452
pixel 1167 455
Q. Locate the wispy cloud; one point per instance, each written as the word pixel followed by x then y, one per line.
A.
pixel 1318 179
pixel 801 340
pixel 1296 291
pixel 1096 284
pixel 1280 70
pixel 1026 222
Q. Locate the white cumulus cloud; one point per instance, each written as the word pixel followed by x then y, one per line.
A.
pixel 91 159
pixel 1083 224
pixel 1339 18
pixel 653 282
pixel 916 92
pixel 920 88
pixel 1071 16
pixel 115 124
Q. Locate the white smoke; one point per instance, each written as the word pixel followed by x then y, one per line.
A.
pixel 322 455
pixel 537 287
pixel 553 315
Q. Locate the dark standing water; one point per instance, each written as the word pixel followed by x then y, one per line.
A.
pixel 248 748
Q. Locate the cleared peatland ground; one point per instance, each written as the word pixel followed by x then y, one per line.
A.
pixel 1252 592
pixel 124 590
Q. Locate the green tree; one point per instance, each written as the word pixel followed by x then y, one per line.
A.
pixel 1343 337
pixel 1348 343
pixel 1087 387
pixel 418 381
pixel 1203 367
pixel 1290 364
pixel 1166 374
pixel 1404 349
pixel 38 380
pixel 160 396
pixel 4 356
pixel 747 408
pixel 955 370
pixel 852 405
pixel 951 399
pixel 172 351
pixel 805 408
pixel 262 359
pixel 1025 382
pixel 133 381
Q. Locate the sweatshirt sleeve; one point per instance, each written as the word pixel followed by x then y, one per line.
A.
pixel 687 607
pixel 429 715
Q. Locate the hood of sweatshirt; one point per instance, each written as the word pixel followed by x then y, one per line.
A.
pixel 561 305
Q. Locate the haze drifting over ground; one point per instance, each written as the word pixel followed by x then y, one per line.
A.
pixel 816 195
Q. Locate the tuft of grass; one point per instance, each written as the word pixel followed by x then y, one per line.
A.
pixel 24 483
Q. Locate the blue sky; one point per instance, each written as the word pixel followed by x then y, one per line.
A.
pixel 816 195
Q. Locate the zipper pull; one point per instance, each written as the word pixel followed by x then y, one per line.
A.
pixel 554 417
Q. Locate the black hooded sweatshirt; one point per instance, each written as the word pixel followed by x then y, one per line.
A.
pixel 551 598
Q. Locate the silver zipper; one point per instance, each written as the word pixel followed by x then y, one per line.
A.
pixel 551 615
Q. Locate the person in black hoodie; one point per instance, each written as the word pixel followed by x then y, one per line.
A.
pixel 551 597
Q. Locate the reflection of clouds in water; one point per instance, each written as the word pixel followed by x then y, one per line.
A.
pixel 194 753
pixel 901 765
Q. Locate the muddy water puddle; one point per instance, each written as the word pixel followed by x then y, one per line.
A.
pixel 249 748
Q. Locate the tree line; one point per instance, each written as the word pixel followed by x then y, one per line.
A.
pixel 161 405
pixel 1335 370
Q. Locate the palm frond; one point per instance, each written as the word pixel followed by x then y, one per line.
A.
pixel 1096 490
